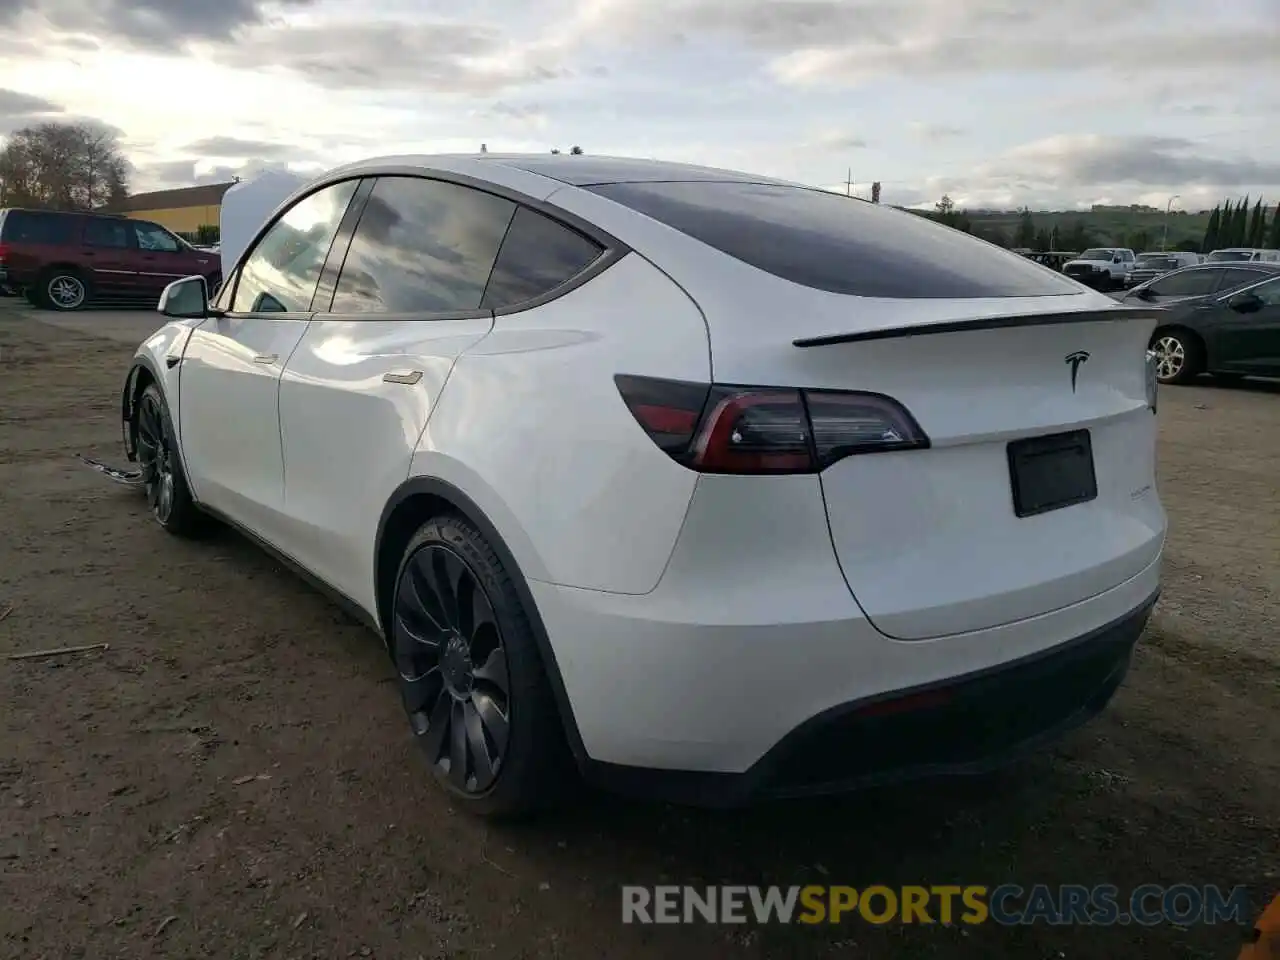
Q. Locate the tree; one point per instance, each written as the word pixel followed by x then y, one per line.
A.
pixel 1076 237
pixel 875 192
pixel 945 206
pixel 1212 230
pixel 62 166
pixel 1274 242
pixel 1240 224
pixel 1042 240
pixel 575 151
pixel 1139 240
pixel 1025 235
pixel 1055 239
pixel 1257 225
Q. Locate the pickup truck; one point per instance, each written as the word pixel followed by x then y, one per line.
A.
pixel 1103 268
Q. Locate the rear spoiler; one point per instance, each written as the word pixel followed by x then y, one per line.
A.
pixel 1104 315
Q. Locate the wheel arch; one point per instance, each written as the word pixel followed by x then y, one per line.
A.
pixel 413 503
pixel 141 374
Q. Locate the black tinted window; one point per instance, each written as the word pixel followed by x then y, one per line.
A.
pixel 106 233
pixel 1189 283
pixel 26 226
pixel 830 242
pixel 421 246
pixel 1233 277
pixel 537 256
pixel 281 272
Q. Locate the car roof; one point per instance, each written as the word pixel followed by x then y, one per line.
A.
pixel 578 171
pixel 1256 265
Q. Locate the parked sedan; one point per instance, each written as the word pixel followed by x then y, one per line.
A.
pixel 1223 320
pixel 716 486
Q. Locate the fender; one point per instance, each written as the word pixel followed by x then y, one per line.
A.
pixel 431 486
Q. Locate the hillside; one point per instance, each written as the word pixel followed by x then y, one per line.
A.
pixel 1140 228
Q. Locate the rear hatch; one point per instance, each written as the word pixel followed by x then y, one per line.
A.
pixel 1036 490
pixel 1036 487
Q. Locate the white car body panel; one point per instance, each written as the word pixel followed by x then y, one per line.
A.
pixel 348 435
pixel 696 619
pixel 603 509
pixel 230 423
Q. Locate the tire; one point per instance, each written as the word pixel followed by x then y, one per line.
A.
pixel 63 289
pixel 471 679
pixel 166 487
pixel 1179 355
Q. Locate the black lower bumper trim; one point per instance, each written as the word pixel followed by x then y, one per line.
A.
pixel 963 725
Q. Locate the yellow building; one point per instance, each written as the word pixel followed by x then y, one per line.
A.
pixel 184 210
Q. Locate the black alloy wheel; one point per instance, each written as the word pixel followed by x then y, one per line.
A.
pixel 449 651
pixel 155 457
pixel 165 482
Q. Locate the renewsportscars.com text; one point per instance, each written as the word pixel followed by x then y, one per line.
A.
pixel 1007 904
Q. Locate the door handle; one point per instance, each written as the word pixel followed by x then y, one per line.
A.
pixel 266 358
pixel 409 377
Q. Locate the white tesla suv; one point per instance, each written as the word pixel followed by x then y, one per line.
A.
pixel 710 486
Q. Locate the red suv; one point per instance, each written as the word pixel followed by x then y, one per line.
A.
pixel 64 260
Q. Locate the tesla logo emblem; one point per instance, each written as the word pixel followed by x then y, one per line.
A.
pixel 1075 361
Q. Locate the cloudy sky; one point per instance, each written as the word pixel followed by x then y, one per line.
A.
pixel 994 102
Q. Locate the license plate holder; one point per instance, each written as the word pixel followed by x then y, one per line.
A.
pixel 1051 472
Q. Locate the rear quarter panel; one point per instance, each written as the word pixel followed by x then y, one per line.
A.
pixel 532 427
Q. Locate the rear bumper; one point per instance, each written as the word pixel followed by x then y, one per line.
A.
pixel 968 724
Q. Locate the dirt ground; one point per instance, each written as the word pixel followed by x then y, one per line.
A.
pixel 128 828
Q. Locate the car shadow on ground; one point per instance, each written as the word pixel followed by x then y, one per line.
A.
pixel 1249 384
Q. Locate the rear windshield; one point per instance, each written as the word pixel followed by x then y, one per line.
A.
pixel 1231 256
pixel 838 244
pixel 27 226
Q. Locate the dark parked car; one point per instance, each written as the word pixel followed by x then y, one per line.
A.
pixel 1222 319
pixel 63 260
pixel 1151 265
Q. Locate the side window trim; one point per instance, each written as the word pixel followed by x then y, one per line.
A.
pixel 327 285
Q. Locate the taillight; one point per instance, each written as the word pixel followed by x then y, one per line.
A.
pixel 765 430
pixel 4 251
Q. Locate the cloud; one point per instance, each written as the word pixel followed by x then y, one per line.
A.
pixel 222 147
pixel 154 24
pixel 18 109
pixel 841 140
pixel 934 132
pixel 444 56
pixel 163 174
pixel 1147 161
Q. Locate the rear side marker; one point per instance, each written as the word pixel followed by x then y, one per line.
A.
pixel 715 428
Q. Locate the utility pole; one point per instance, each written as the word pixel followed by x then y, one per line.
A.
pixel 848 184
pixel 1164 242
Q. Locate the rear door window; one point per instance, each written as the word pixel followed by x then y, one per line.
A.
pixel 1233 277
pixel 1191 283
pixel 422 246
pixel 537 255
pixel 835 243
pixel 99 232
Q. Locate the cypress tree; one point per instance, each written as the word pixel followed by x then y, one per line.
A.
pixel 1254 238
pixel 1240 231
pixel 1275 229
pixel 1211 231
